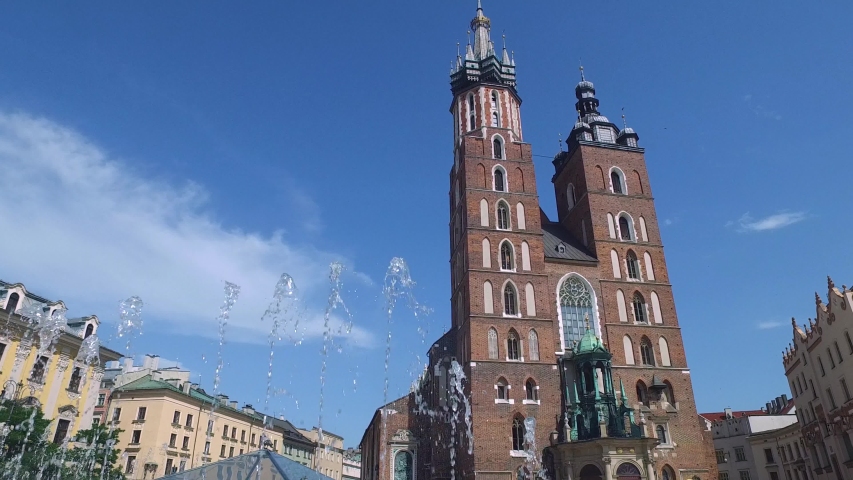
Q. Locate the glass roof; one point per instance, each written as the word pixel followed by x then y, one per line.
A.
pixel 259 465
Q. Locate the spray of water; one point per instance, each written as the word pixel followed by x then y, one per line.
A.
pixel 335 301
pixel 232 292
pixel 130 320
pixel 284 301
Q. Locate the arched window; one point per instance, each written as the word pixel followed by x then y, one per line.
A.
pixel 626 231
pixel 503 215
pixel 403 466
pixel 496 108
pixel 628 471
pixel 90 329
pixel 667 394
pixel 487 253
pixel 530 299
pixel 513 350
pixel 74 383
pixel 639 305
pixel 647 352
pixel 530 390
pixel 507 257
pixel 493 344
pixel 629 350
pixel 664 352
pixel 502 389
pixel 495 121
pixel 12 303
pixel 576 306
pixel 533 345
pixel 642 393
pixel 488 302
pixel 617 181
pixel 571 200
pixel 650 270
pixel 660 432
pixel 472 124
pixel 590 472
pixel 498 148
pixel 633 266
pixel 500 185
pixel 667 473
pixel 517 433
pixel 510 300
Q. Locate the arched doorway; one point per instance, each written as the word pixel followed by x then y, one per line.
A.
pixel 590 472
pixel 628 471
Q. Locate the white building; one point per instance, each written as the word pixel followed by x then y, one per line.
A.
pixel 781 454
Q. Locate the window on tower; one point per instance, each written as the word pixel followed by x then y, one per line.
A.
pixel 626 232
pixel 633 266
pixel 510 304
pixel 530 390
pixel 617 181
pixel 502 390
pixel 500 183
pixel 642 393
pixel 472 124
pixel 498 147
pixel 576 306
pixel 503 215
pixel 507 260
pixel 518 433
pixel 495 121
pixel 639 305
pixel 493 344
pixel 647 353
pixel 513 350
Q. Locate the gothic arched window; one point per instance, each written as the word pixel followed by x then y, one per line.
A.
pixel 501 389
pixel 472 124
pixel 513 349
pixel 403 466
pixel 496 108
pixel 617 181
pixel 660 432
pixel 493 344
pixel 498 147
pixel 647 353
pixel 642 393
pixel 517 433
pixel 12 303
pixel 625 232
pixel 639 305
pixel 507 259
pixel 503 215
pixel 510 297
pixel 667 473
pixel 530 390
pixel 576 306
pixel 499 180
pixel 633 266
pixel 533 345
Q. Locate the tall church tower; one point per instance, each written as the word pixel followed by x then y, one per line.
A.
pixel 526 289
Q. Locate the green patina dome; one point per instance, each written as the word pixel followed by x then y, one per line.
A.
pixel 590 343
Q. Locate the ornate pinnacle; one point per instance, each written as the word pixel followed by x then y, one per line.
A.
pixel 817 298
pixel 829 282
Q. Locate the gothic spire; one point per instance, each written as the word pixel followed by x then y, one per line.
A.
pixel 481 25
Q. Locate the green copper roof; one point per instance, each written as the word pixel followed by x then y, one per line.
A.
pixel 590 343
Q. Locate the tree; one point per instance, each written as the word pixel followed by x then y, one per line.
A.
pixel 92 450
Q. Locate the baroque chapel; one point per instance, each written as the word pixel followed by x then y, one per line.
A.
pixel 564 359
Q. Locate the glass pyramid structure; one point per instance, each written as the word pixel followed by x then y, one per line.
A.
pixel 259 465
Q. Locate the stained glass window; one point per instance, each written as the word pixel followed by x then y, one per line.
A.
pixel 403 466
pixel 575 306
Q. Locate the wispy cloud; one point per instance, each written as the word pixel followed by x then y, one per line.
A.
pixel 83 225
pixel 747 223
pixel 769 325
pixel 759 110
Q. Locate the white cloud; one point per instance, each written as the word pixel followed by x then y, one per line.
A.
pixel 769 325
pixel 772 222
pixel 87 227
pixel 760 110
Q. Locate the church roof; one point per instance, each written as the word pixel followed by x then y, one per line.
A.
pixel 555 235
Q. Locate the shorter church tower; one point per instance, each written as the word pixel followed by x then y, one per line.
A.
pixel 597 430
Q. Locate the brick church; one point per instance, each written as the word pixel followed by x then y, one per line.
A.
pixel 564 359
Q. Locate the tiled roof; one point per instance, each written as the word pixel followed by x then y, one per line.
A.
pixel 554 235
pixel 714 416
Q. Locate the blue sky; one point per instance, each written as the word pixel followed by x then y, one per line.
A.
pixel 162 151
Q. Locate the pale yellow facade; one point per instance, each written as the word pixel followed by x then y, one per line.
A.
pixel 64 387
pixel 328 458
pixel 169 426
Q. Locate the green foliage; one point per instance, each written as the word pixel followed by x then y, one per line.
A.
pixel 27 452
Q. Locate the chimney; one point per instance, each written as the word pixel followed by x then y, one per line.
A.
pixel 281 417
pixel 233 404
pixel 186 387
pixel 248 409
pixel 127 365
pixel 769 408
pixel 151 362
pixel 784 400
pixel 222 399
pixel 728 412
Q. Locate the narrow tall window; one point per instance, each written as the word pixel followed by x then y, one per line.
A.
pixel 639 305
pixel 845 390
pixel 642 393
pixel 501 390
pixel 533 345
pixel 831 360
pixel 647 354
pixel 820 363
pixel 625 228
pixel 838 351
pixel 576 305
pixel 495 121
pixel 12 303
pixel 633 266
pixel 498 148
pixel 74 383
pixel 499 180
pixel 530 390
pixel 517 434
pixel 849 342
pixel 616 180
pixel 660 431
pixel 512 347
pixel 507 260
pixel 503 216
pixel 493 344
pixel 571 200
pixel 472 124
pixel 510 304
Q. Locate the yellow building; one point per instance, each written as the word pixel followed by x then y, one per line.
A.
pixel 329 456
pixel 171 425
pixel 45 366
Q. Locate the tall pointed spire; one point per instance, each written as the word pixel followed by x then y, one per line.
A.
pixel 505 60
pixel 481 25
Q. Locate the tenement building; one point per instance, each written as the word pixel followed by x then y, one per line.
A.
pixel 527 290
pixel 329 454
pixel 818 363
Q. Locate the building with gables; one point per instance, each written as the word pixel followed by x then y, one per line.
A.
pixel 524 287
